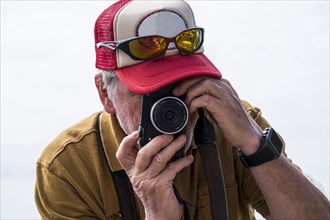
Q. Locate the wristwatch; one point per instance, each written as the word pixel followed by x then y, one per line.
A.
pixel 270 149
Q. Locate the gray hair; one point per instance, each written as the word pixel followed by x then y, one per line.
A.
pixel 109 79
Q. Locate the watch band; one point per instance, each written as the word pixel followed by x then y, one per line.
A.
pixel 270 149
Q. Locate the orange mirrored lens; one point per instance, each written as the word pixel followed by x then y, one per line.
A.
pixel 149 47
pixel 189 41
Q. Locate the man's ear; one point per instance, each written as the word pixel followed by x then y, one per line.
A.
pixel 103 94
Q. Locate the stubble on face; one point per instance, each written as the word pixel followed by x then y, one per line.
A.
pixel 127 105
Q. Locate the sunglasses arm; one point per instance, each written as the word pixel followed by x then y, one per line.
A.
pixel 109 44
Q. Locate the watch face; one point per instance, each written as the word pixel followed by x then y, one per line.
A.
pixel 275 140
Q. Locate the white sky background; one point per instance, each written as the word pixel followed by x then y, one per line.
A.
pixel 275 53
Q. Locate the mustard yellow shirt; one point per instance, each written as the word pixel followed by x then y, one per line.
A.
pixel 74 179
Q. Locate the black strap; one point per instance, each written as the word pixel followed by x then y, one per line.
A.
pixel 205 139
pixel 125 195
pixel 181 201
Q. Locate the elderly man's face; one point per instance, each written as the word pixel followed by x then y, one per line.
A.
pixel 127 105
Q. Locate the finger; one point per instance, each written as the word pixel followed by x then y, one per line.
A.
pixel 124 152
pixel 171 170
pixel 183 86
pixel 226 113
pixel 146 153
pixel 161 159
pixel 212 92
pixel 212 87
pixel 208 102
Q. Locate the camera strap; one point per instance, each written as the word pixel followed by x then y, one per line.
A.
pixel 204 136
pixel 125 195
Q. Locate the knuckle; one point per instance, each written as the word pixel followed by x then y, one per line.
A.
pixel 166 138
pixel 159 158
pixel 142 155
pixel 119 155
pixel 161 140
pixel 138 184
pixel 206 83
pixel 225 81
pixel 207 98
pixel 172 167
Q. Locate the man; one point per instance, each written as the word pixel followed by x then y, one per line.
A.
pixel 142 47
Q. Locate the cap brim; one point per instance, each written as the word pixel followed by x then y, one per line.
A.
pixel 150 76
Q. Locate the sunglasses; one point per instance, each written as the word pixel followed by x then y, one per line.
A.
pixel 155 46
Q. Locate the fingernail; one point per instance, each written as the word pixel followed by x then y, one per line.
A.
pixel 168 136
pixel 176 91
pixel 190 158
pixel 136 134
pixel 182 137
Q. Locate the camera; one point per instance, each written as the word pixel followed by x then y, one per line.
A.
pixel 163 113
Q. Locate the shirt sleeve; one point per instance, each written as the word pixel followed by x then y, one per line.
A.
pixel 57 199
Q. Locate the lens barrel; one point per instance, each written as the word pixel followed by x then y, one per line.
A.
pixel 169 115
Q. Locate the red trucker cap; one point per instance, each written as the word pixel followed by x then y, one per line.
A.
pixel 132 18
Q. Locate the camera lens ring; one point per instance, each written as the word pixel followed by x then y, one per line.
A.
pixel 170 114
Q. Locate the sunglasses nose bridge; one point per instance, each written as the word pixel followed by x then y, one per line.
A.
pixel 171 40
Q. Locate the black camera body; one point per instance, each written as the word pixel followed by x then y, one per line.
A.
pixel 163 113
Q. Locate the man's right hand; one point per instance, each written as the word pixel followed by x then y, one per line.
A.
pixel 152 175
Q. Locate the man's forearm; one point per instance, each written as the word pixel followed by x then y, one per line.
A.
pixel 289 194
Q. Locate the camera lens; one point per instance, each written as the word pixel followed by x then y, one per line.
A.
pixel 169 115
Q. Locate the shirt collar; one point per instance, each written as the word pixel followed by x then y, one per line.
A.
pixel 111 136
